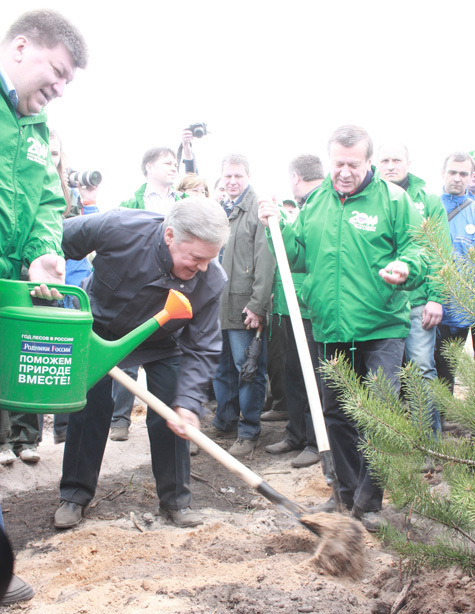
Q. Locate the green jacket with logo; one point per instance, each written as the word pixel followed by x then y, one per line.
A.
pixel 279 301
pixel 31 198
pixel 137 201
pixel 342 247
pixel 428 205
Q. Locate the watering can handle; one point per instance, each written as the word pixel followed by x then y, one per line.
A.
pixel 69 290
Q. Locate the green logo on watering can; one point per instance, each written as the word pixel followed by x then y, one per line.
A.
pixel 45 360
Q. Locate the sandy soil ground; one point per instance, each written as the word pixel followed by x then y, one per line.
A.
pixel 247 558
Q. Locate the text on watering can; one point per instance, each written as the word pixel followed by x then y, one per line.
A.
pixel 45 360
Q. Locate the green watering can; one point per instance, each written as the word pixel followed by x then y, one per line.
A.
pixel 51 357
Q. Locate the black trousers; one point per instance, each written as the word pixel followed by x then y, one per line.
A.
pixel 87 436
pixel 443 334
pixel 357 486
pixel 276 361
pixel 299 430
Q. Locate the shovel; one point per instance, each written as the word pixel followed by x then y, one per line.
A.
pixel 340 548
pixel 305 362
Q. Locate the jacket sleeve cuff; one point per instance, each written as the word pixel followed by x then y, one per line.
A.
pixel 191 404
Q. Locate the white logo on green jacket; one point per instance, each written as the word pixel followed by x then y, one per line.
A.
pixel 37 152
pixel 363 221
pixel 419 207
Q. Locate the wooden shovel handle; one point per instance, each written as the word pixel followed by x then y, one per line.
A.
pixel 195 435
pixel 300 337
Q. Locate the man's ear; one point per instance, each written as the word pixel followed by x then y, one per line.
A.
pixel 168 236
pixel 18 46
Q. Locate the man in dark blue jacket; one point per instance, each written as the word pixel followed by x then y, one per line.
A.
pixel 139 258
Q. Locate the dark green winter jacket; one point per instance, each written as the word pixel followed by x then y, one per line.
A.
pixel 428 205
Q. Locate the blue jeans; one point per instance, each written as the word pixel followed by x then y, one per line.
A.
pixel 236 398
pixel 420 346
pixel 123 400
pixel 87 437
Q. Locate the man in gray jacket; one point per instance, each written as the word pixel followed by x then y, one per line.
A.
pixel 139 259
pixel 244 305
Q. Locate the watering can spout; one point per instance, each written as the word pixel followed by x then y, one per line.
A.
pixel 106 354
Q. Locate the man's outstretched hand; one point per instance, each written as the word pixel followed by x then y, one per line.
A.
pixel 395 272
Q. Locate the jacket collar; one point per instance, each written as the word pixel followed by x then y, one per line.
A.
pixel 372 177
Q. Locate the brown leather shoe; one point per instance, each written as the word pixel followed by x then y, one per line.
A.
pixel 69 514
pixel 306 458
pixel 280 448
pixel 18 590
pixel 185 517
pixel 243 447
pixel 274 416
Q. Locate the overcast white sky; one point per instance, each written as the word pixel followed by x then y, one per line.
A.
pixel 271 79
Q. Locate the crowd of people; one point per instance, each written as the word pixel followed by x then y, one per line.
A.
pixel 364 287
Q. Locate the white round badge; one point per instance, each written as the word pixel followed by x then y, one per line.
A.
pixel 470 229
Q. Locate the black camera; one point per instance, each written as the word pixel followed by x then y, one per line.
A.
pixel 87 178
pixel 199 130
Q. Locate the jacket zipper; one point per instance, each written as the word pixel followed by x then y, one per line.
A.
pixel 15 198
pixel 340 224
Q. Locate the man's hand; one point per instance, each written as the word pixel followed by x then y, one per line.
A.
pixel 88 192
pixel 395 272
pixel 188 417
pixel 431 315
pixel 268 207
pixel 48 268
pixel 252 320
pixel 186 138
pixel 42 291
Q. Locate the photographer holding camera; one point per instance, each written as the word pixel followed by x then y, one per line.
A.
pixel 84 184
pixel 160 168
pixel 197 130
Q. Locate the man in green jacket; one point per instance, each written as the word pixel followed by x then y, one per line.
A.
pixel 160 168
pixel 426 301
pixel 306 176
pixel 353 241
pixel 38 57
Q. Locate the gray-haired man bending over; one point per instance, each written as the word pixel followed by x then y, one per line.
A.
pixel 140 257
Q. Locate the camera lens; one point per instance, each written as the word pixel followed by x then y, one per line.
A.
pixel 198 132
pixel 94 178
pixel 86 178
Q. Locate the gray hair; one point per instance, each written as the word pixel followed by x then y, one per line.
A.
pixel 458 156
pixel 197 217
pixel 47 28
pixel 236 159
pixel 308 167
pixel 349 136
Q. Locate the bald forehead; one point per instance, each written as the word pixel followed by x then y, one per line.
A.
pixel 393 151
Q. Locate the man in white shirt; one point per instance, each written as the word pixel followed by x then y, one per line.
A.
pixel 159 165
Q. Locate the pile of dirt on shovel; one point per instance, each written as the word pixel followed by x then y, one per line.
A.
pixel 246 558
